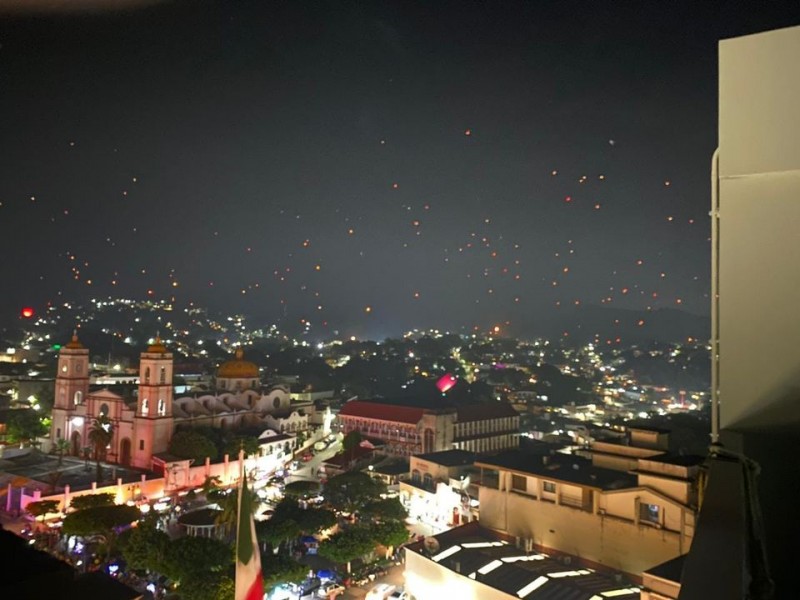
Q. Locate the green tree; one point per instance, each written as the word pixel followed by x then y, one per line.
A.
pixel 348 545
pixel 281 569
pixel 211 485
pixel 46 397
pixel 190 558
pixel 390 534
pixel 41 508
pixel 144 547
pixel 277 531
pixel 314 520
pixel 24 425
pixel 99 520
pixel 91 501
pixel 61 447
pixel 100 435
pixel 385 509
pixel 207 586
pixel 193 445
pixel 352 490
pixel 351 440
pixel 231 444
pixel 301 489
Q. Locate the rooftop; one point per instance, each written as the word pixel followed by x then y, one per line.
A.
pixel 559 467
pixel 686 460
pixel 449 458
pixel 478 553
pixel 384 412
pixel 670 570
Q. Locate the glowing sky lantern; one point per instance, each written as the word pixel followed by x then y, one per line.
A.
pixel 27 312
pixel 446 382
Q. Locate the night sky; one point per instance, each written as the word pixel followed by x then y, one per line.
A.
pixel 381 166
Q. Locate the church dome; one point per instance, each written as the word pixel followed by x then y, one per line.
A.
pixel 238 368
pixel 74 343
pixel 157 346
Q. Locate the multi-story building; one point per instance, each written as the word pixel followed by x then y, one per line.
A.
pixel 440 492
pixel 407 427
pixel 628 520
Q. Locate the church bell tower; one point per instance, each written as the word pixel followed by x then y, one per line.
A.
pixel 72 386
pixel 153 423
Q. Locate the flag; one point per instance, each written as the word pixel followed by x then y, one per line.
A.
pixel 249 581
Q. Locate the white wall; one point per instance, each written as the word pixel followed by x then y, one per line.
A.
pixel 759 214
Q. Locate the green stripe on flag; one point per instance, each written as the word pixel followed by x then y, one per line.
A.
pixel 244 549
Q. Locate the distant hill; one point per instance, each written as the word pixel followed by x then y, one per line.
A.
pixel 583 323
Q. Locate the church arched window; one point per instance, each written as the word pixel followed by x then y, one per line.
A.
pixel 103 409
pixel 162 407
pixel 78 398
pixel 163 375
pixel 145 407
pixel 147 374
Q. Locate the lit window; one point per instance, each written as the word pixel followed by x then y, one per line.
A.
pixel 649 513
pixel 549 487
pixel 145 407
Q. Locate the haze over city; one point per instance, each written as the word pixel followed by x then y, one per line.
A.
pixel 373 167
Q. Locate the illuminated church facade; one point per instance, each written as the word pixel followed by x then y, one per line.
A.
pixel 142 426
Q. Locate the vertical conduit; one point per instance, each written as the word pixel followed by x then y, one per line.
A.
pixel 715 298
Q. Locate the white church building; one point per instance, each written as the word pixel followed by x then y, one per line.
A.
pixel 143 425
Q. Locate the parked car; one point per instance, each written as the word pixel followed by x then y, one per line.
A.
pixel 330 589
pixel 382 591
pixel 399 595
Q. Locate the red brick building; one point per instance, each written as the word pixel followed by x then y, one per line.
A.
pixel 412 427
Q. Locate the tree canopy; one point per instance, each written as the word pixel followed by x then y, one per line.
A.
pixel 99 519
pixel 277 531
pixel 193 445
pixel 347 545
pixel 24 425
pixel 314 520
pixel 279 568
pixel 144 547
pixel 352 490
pixel 41 508
pixel 385 509
pixel 194 557
pixel 232 443
pixel 91 501
pixel 390 533
pixel 299 489
pixel 351 440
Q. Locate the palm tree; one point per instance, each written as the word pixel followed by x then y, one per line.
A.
pixel 62 446
pixel 100 435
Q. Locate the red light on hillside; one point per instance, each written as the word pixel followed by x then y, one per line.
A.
pixel 27 312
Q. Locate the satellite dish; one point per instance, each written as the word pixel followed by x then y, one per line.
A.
pixel 431 544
